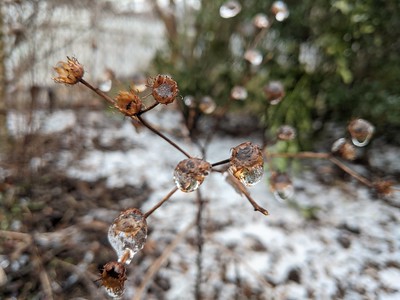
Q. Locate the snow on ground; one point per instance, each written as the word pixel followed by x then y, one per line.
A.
pixel 352 250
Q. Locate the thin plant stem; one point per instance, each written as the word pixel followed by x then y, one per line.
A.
pixel 200 241
pixel 155 207
pixel 98 92
pixel 147 109
pixel 240 187
pixel 301 155
pixel 351 172
pixel 144 122
pixel 222 162
pixel 157 264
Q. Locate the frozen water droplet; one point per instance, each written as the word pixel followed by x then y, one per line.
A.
pixel 281 186
pixel 189 174
pixel 261 21
pixel 189 101
pixel 361 132
pixel 280 10
pixel 105 86
pixel 207 105
pixel 239 93
pixel 286 133
pixel 274 91
pixel 230 9
pixel 253 56
pixel 247 163
pixel 128 234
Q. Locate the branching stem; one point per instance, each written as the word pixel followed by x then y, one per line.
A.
pixel 155 207
pixel 98 92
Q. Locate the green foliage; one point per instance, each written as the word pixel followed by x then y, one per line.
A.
pixel 337 60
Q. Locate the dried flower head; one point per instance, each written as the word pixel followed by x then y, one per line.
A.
pixel 281 186
pixel 247 163
pixel 164 89
pixel 128 234
pixel 274 91
pixel 384 188
pixel 128 103
pixel 361 132
pixel 344 149
pixel 286 133
pixel 113 278
pixel 189 174
pixel 69 72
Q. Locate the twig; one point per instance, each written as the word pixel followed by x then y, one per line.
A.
pixel 98 92
pixel 222 162
pixel 160 203
pixel 199 225
pixel 240 187
pixel 162 136
pixel 157 264
pixel 147 109
pixel 301 155
pixel 351 172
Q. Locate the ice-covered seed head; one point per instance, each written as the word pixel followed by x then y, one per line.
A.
pixel 247 163
pixel 286 133
pixel 189 174
pixel 344 149
pixel 274 92
pixel 361 132
pixel 127 234
pixel 164 89
pixel 281 186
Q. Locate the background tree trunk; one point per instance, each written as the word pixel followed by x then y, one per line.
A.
pixel 3 113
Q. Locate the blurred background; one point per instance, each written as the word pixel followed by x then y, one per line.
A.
pixel 63 152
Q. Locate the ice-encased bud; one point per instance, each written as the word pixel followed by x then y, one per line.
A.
pixel 207 105
pixel 361 132
pixel 280 10
pixel 274 91
pixel 253 56
pixel 230 9
pixel 261 21
pixel 127 234
pixel 189 174
pixel 239 93
pixel 247 163
pixel 286 133
pixel 344 149
pixel 281 186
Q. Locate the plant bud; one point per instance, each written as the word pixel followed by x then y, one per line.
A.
pixel 247 163
pixel 189 174
pixel 128 103
pixel 280 10
pixel 113 279
pixel 164 89
pixel 127 234
pixel 69 72
pixel 239 93
pixel 274 92
pixel 286 133
pixel 207 105
pixel 361 132
pixel 344 149
pixel 281 186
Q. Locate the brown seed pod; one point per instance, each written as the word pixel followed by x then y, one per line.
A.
pixel 164 89
pixel 128 103
pixel 113 278
pixel 247 163
pixel 189 174
pixel 384 188
pixel 69 72
pixel 344 149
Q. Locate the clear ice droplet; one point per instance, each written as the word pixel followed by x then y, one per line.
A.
pixel 229 9
pixel 250 176
pixel 253 56
pixel 128 234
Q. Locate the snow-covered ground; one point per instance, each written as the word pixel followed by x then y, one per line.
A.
pixel 351 250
